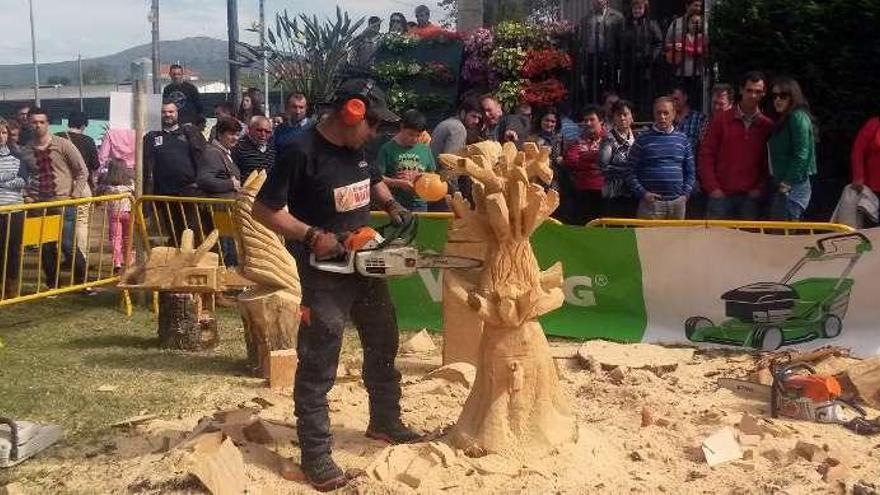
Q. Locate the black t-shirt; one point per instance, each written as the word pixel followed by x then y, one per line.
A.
pixel 324 185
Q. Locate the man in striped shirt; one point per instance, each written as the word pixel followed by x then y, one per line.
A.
pixel 661 163
pixel 256 150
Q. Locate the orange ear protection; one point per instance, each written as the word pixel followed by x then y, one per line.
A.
pixel 354 110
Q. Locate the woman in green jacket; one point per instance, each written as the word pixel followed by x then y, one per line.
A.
pixel 792 150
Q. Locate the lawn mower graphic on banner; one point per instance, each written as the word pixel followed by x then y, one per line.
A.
pixel 768 315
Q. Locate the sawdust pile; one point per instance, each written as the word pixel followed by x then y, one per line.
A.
pixel 646 415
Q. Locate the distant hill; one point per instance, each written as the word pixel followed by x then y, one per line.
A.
pixel 205 56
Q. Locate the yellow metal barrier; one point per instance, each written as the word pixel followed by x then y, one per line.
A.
pixel 58 247
pixel 445 215
pixel 785 228
pixel 160 220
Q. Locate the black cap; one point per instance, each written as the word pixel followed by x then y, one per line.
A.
pixel 372 94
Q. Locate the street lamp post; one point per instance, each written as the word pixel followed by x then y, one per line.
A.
pixel 34 57
pixel 265 60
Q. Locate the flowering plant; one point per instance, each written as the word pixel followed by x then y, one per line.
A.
pixel 544 93
pixel 435 35
pixel 543 61
pixel 508 61
pixel 431 102
pixel 479 42
pixel 438 72
pixel 475 70
pixel 401 100
pixel 509 93
pixel 559 29
pixel 398 42
pixel 510 34
pixel 394 70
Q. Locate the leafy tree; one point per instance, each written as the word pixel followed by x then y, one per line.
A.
pixel 305 54
pixel 829 46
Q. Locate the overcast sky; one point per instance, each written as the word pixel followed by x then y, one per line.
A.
pixel 103 27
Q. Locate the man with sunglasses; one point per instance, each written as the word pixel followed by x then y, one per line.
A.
pixel 256 150
pixel 328 186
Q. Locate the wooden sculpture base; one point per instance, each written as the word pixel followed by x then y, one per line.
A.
pixel 186 322
pixel 271 320
pixel 516 404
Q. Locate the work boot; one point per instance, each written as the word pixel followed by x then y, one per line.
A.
pixel 393 432
pixel 323 473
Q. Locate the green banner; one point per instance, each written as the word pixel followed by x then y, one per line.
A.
pixel 603 282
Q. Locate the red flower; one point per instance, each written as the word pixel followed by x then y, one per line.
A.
pixel 539 62
pixel 544 93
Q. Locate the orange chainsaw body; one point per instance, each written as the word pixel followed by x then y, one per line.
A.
pixel 817 388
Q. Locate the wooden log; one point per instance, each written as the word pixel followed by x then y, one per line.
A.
pixel 186 322
pixel 271 321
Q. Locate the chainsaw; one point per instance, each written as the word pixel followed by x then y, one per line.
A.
pixel 798 392
pixel 373 255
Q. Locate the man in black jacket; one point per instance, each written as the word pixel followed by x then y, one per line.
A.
pixel 171 158
pixel 184 94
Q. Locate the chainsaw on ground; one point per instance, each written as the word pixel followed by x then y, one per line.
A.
pixel 371 254
pixel 798 392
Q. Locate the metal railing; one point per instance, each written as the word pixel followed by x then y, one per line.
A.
pixel 785 228
pixel 64 246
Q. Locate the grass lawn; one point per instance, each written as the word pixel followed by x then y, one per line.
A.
pixel 58 352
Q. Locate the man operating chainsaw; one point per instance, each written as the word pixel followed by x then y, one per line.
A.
pixel 328 187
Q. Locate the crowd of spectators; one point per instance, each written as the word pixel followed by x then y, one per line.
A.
pixel 751 157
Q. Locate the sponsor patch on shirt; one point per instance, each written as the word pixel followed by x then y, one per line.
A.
pixel 157 141
pixel 352 196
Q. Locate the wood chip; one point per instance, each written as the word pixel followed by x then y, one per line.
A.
pixel 219 468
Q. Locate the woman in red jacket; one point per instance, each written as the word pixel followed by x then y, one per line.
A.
pixel 582 158
pixel 866 157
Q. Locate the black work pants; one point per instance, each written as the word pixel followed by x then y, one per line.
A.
pixel 329 301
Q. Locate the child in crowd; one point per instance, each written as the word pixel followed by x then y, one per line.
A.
pixel 404 158
pixel 119 179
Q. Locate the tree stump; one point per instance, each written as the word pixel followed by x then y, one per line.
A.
pixel 185 321
pixel 271 321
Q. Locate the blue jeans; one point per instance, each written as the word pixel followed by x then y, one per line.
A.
pixel 789 207
pixel 732 207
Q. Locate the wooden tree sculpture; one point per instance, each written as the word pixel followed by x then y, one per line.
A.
pixel 516 404
pixel 271 310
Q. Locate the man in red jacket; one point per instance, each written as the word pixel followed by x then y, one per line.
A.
pixel 582 158
pixel 733 155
